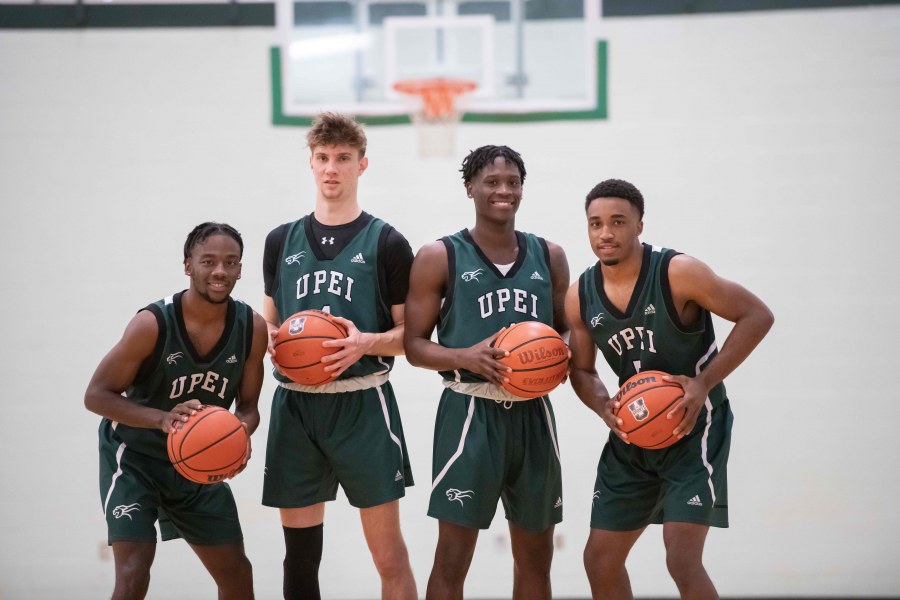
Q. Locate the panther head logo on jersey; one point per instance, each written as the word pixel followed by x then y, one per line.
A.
pixel 125 510
pixel 598 320
pixel 173 358
pixel 297 325
pixel 295 258
pixel 639 409
pixel 454 494
pixel 472 275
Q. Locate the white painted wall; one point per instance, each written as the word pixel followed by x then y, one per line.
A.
pixel 766 144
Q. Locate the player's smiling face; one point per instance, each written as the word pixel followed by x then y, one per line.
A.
pixel 497 190
pixel 336 170
pixel 214 267
pixel 614 225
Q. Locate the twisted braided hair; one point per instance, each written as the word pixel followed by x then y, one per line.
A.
pixel 203 231
pixel 485 155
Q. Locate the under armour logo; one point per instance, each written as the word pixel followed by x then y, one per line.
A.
pixel 454 494
pixel 470 275
pixel 294 258
pixel 173 358
pixel 328 240
pixel 125 510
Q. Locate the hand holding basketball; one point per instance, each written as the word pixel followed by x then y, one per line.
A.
pixel 644 404
pixel 537 358
pixel 691 404
pixel 210 446
pixel 348 350
pixel 299 346
pixel 179 415
pixel 484 359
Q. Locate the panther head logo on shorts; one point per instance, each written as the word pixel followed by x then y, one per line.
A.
pixel 458 495
pixel 125 510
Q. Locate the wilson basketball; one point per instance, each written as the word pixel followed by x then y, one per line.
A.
pixel 645 400
pixel 209 447
pixel 538 356
pixel 298 345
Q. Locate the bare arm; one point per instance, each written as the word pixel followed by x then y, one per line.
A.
pixel 693 285
pixel 427 287
pixel 559 270
pixel 247 408
pixel 117 371
pixel 585 380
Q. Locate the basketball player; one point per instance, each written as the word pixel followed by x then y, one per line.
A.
pixel 195 347
pixel 346 432
pixel 489 445
pixel 648 308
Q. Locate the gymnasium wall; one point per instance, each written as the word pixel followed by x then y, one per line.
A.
pixel 765 144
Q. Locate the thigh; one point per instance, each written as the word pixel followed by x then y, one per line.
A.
pixel 469 460
pixel 695 471
pixel 365 447
pixel 128 494
pixel 627 490
pixel 203 515
pixel 532 494
pixel 297 473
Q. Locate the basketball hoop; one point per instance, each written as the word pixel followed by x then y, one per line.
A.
pixel 438 117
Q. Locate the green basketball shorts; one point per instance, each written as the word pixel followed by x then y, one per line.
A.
pixel 137 490
pixel 318 441
pixel 485 450
pixel 686 482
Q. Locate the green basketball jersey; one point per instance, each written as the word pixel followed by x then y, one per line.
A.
pixel 648 335
pixel 177 374
pixel 480 301
pixel 346 286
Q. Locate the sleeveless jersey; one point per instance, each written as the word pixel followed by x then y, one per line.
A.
pixel 178 374
pixel 648 335
pixel 346 286
pixel 480 301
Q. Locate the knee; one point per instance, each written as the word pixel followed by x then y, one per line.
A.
pixel 598 563
pixel 132 580
pixel 391 561
pixel 683 567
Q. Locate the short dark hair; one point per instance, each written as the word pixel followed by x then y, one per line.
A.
pixel 616 188
pixel 485 155
pixel 203 231
pixel 336 129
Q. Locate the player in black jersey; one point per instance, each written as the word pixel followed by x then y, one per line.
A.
pixel 489 445
pixel 347 431
pixel 195 347
pixel 649 308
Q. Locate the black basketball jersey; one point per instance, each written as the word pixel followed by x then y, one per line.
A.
pixel 346 285
pixel 480 300
pixel 177 373
pixel 648 335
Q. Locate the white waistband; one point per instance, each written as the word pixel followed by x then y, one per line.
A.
pixel 340 386
pixel 484 389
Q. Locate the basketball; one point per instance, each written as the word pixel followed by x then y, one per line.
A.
pixel 298 345
pixel 645 401
pixel 538 356
pixel 209 447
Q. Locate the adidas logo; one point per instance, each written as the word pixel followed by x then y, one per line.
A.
pixel 558 503
pixel 231 359
pixel 398 476
pixel 537 275
pixel 695 501
pixel 650 310
pixel 358 259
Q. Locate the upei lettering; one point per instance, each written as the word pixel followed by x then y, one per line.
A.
pixel 629 385
pixel 335 285
pixel 519 302
pixel 628 337
pixel 209 382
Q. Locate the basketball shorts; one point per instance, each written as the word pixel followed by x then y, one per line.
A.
pixel 485 450
pixel 686 482
pixel 137 491
pixel 319 441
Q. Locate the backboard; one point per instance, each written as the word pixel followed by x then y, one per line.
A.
pixel 531 60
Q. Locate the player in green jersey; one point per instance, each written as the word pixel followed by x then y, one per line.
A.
pixel 195 347
pixel 347 431
pixel 649 308
pixel 489 445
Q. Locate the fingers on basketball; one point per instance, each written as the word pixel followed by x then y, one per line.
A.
pixel 298 346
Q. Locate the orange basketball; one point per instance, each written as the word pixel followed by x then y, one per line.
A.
pixel 298 345
pixel 209 447
pixel 645 401
pixel 538 356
